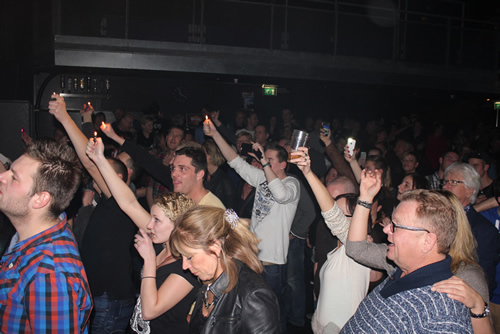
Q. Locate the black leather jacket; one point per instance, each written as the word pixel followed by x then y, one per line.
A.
pixel 250 307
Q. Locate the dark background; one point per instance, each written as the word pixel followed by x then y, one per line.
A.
pixel 365 59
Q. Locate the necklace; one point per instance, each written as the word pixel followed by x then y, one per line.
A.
pixel 165 260
pixel 205 298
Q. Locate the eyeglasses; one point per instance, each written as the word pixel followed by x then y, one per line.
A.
pixel 409 228
pixel 451 182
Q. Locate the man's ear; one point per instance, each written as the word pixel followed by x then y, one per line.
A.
pixel 283 164
pixel 486 167
pixel 200 175
pixel 40 200
pixel 469 192
pixel 430 242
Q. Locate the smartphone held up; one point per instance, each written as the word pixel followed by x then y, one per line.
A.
pixel 351 144
pixel 248 148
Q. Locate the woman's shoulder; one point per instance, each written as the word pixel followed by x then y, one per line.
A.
pixel 474 276
pixel 176 268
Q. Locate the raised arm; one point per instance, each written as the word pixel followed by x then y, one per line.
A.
pixel 356 169
pixel 224 147
pixel 336 158
pixel 119 190
pixel 371 183
pixel 357 247
pixel 154 167
pixel 322 195
pixel 57 107
pixel 223 130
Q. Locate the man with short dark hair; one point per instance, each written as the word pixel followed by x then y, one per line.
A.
pixel 276 199
pixel 43 285
pixel 189 169
pixel 481 162
pixel 445 160
pixel 107 240
pixel 185 173
pixel 261 135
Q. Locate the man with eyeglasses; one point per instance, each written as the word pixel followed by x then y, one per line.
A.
pixel 464 181
pixel 422 230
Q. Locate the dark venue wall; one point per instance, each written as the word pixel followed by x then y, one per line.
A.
pixel 364 59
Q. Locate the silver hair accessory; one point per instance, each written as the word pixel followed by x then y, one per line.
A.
pixel 231 217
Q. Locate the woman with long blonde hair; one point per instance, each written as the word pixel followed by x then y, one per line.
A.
pixel 167 291
pixel 218 248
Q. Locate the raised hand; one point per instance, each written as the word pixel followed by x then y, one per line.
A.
pixel 86 112
pixel 209 128
pixel 303 161
pixel 325 138
pixel 347 156
pixel 144 245
pixel 108 130
pixel 95 148
pixel 214 117
pixel 57 107
pixel 370 185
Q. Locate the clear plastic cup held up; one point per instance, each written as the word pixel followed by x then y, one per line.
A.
pixel 299 139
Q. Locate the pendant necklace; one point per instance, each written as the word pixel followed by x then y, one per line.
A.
pixel 205 298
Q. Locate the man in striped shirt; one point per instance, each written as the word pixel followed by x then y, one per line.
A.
pixel 43 285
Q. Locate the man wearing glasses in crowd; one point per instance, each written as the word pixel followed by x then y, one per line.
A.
pixel 464 181
pixel 422 230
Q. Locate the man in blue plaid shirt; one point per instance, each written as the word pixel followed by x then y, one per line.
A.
pixel 445 160
pixel 43 285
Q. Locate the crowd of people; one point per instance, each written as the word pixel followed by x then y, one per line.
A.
pixel 217 228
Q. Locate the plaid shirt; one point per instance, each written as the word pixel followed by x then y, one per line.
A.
pixel 43 285
pixel 434 181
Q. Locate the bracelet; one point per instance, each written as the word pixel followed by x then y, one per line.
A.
pixel 482 315
pixel 364 204
pixel 149 277
pixel 265 165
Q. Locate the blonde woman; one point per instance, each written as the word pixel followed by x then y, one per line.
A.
pixel 218 248
pixel 167 291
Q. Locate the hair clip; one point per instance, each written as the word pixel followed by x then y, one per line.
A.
pixel 231 217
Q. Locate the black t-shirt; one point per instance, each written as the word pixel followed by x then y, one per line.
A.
pixel 106 251
pixel 175 319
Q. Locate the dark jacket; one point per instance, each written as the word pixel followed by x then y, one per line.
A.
pixel 250 307
pixel 221 186
pixel 488 244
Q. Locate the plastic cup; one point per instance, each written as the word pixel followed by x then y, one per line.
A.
pixel 299 139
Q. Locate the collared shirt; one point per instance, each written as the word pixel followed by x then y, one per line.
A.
pixel 434 181
pixel 43 285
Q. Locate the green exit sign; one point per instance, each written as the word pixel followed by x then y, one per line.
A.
pixel 270 90
pixel 497 105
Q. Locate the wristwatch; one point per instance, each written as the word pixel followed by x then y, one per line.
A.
pixel 485 313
